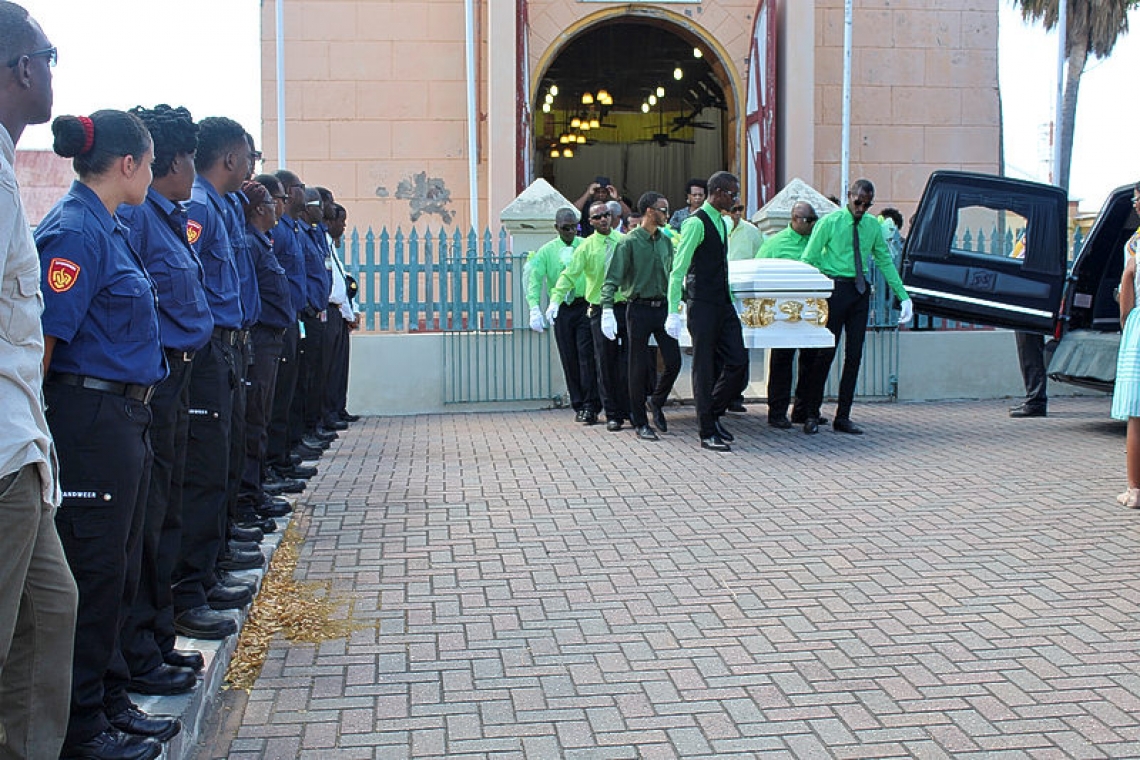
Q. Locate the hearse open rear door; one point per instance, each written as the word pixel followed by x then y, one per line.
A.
pixel 988 250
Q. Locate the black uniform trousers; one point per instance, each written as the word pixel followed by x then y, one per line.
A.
pixel 1031 358
pixel 720 361
pixel 213 383
pixel 305 414
pixel 243 354
pixel 612 361
pixel 336 386
pixel 576 350
pixel 105 459
pixel 780 363
pixel 262 380
pixel 847 311
pixel 280 443
pixel 643 320
pixel 149 631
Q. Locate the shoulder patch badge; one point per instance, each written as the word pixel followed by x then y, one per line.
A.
pixel 62 274
pixel 193 231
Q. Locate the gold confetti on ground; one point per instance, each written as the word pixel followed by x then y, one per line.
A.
pixel 305 612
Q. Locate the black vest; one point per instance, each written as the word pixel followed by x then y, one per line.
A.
pixel 707 278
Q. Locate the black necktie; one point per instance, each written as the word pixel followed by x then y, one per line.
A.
pixel 860 280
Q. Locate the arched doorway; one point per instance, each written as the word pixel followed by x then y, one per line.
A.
pixel 638 100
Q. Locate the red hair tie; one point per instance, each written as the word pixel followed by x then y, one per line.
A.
pixel 88 133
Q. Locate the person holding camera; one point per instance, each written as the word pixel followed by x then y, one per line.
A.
pixel 601 190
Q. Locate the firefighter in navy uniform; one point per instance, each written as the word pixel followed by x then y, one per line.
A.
pixel 103 359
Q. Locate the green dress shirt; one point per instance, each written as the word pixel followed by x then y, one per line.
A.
pixel 744 241
pixel 588 265
pixel 545 265
pixel 830 251
pixel 785 244
pixel 692 235
pixel 640 267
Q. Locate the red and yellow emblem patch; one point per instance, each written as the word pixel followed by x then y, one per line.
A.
pixel 193 231
pixel 62 274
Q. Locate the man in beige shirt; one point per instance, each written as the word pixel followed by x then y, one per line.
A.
pixel 37 592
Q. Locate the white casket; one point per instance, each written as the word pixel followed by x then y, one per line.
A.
pixel 782 303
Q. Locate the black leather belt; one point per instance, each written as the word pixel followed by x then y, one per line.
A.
pixel 843 279
pixel 225 335
pixel 137 392
pixel 243 336
pixel 174 355
pixel 654 302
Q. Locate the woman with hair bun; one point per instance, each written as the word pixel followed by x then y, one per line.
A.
pixel 102 360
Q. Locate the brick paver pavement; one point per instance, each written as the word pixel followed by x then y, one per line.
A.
pixel 952 584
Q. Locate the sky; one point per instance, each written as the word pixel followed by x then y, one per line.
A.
pixel 121 53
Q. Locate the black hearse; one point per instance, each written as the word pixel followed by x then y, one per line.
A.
pixel 993 251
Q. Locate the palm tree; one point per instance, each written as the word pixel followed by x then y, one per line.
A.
pixel 1093 27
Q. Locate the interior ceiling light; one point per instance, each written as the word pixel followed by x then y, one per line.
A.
pixel 660 92
pixel 548 99
pixel 585 127
pixel 645 108
pixel 595 124
pixel 652 100
pixel 603 95
pixel 567 153
pixel 546 108
pixel 587 99
pixel 575 122
pixel 554 153
pixel 553 89
pixel 697 53
pixel 563 139
pixel 581 140
pixel 678 74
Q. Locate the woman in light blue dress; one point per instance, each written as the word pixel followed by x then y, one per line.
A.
pixel 1126 394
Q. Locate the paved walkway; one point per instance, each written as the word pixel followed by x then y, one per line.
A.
pixel 952 584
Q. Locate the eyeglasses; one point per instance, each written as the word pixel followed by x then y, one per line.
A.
pixel 566 227
pixel 281 197
pixel 312 203
pixel 662 210
pixel 51 54
pixel 600 216
pixel 734 194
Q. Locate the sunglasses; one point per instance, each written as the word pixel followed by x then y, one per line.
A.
pixel 600 216
pixel 808 219
pixel 662 210
pixel 566 227
pixel 737 209
pixel 51 54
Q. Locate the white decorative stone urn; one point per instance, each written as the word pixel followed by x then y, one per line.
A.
pixel 782 303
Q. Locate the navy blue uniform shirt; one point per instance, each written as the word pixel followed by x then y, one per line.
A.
pixel 207 234
pixel 99 302
pixel 157 232
pixel 318 280
pixel 276 302
pixel 247 277
pixel 287 248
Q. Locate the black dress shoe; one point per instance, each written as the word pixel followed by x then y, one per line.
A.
pixel 846 426
pixel 233 581
pixel 613 425
pixel 325 435
pixel 580 415
pixel 658 415
pixel 164 681
pixel 646 433
pixel 294 459
pixel 239 533
pixel 347 417
pixel 185 658
pixel 724 434
pixel 265 524
pixel 273 508
pixel 113 744
pixel 591 418
pixel 295 472
pixel 241 561
pixel 314 443
pixel 204 623
pixel 715 443
pixel 277 486
pixel 797 420
pixel 158 727
pixel 307 453
pixel 737 407
pixel 335 425
pixel 234 545
pixel 783 423
pixel 811 425
pixel 1020 411
pixel 221 597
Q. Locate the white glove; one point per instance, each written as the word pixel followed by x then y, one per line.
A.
pixel 609 324
pixel 536 322
pixel 673 326
pixel 552 312
pixel 906 311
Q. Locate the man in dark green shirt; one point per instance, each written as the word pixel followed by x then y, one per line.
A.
pixel 640 268
pixel 838 248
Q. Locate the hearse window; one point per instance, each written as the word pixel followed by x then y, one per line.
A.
pixel 989 232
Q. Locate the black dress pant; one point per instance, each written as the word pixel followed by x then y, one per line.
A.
pixel 718 342
pixel 336 386
pixel 847 314
pixel 1031 358
pixel 612 359
pixel 243 355
pixel 262 379
pixel 642 321
pixel 280 442
pixel 576 350
pixel 305 414
pixel 213 383
pixel 149 631
pixel 780 362
pixel 105 459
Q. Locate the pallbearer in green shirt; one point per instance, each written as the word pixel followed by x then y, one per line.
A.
pixel 589 263
pixel 839 246
pixel 640 267
pixel 572 330
pixel 700 271
pixel 744 240
pixel 789 243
